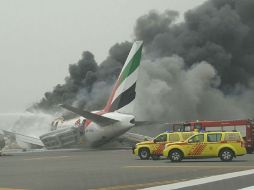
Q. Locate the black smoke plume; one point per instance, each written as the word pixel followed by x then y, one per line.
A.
pixel 201 68
pixel 88 84
pixel 219 32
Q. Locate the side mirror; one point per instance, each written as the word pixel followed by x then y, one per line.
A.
pixel 155 141
pixel 190 141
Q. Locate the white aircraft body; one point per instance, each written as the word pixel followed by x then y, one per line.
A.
pixel 99 127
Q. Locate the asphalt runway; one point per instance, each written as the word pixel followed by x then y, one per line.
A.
pixel 112 169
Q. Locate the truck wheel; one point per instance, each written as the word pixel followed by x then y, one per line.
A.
pixel 155 157
pixel 144 153
pixel 226 155
pixel 175 155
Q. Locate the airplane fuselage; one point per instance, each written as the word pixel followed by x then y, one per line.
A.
pixel 90 133
pixel 97 135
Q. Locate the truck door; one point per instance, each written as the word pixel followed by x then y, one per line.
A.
pixel 159 144
pixel 213 141
pixel 195 146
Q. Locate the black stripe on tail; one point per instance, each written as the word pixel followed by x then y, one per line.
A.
pixel 124 99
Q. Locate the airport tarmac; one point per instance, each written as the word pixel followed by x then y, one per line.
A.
pixel 113 169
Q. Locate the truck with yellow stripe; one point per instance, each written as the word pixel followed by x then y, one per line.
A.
pixel 154 148
pixel 224 145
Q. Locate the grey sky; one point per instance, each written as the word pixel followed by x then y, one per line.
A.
pixel 39 39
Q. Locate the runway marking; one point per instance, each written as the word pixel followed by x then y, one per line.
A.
pixel 201 181
pixel 140 185
pixel 49 157
pixel 3 188
pixel 168 166
pixel 247 188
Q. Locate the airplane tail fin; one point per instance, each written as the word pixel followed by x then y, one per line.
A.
pixel 123 95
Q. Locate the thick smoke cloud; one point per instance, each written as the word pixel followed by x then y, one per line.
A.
pixel 219 32
pixel 88 85
pixel 14 121
pixel 201 68
pixel 179 94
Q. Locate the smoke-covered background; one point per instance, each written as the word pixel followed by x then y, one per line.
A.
pixel 201 68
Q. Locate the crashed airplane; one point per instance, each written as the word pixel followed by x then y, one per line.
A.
pixel 100 127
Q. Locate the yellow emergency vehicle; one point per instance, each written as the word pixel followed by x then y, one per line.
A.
pixel 154 148
pixel 225 145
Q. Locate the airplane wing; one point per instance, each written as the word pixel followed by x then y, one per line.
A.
pixel 98 119
pixel 24 138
